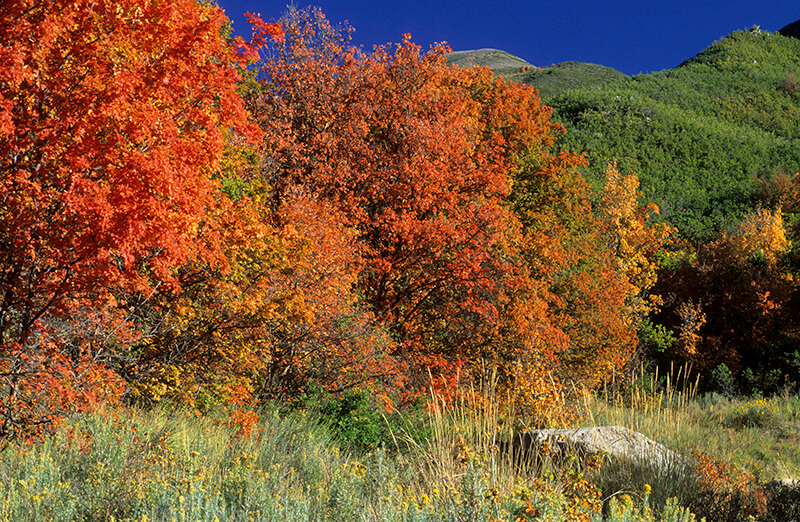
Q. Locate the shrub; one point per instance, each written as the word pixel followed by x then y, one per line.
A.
pixel 783 501
pixel 357 421
pixel 723 492
pixel 722 379
pixel 791 84
pixel 758 413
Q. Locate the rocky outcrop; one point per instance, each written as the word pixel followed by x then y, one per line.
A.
pixel 620 444
pixel 616 442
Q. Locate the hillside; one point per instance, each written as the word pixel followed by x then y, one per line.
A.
pixel 550 81
pixel 567 76
pixel 500 62
pixel 699 135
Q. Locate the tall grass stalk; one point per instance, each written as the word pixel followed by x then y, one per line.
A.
pixel 655 406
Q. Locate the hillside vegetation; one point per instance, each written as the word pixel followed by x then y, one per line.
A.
pixel 500 62
pixel 715 145
pixel 700 136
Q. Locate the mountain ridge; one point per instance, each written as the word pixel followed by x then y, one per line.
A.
pixel 792 29
pixel 549 80
pixel 707 138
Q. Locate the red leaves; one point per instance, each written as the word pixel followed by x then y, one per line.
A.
pixel 394 141
pixel 417 157
pixel 115 130
pixel 263 34
pixel 725 492
pixel 111 126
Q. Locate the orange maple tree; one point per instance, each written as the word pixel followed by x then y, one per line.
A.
pixel 111 125
pixel 402 146
pixel 419 158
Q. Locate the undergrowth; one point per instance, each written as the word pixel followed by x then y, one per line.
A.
pixel 453 464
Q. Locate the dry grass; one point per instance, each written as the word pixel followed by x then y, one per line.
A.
pixel 159 465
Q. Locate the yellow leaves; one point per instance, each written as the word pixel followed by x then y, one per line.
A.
pixel 170 380
pixel 131 14
pixel 619 208
pixel 692 319
pixel 632 241
pixel 761 233
pixel 285 312
pixel 536 394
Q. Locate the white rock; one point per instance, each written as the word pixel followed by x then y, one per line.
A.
pixel 615 441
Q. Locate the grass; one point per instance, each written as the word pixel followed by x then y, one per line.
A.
pixel 761 435
pixel 137 465
pixel 736 446
pixel 563 77
pixel 159 465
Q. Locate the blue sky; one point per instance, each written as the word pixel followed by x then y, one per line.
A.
pixel 633 37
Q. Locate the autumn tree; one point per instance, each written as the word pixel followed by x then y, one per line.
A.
pixel 732 301
pixel 415 157
pixel 111 125
pixel 419 159
pixel 284 315
pixel 565 248
pixel 632 239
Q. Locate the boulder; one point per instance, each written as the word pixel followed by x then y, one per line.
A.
pixel 783 500
pixel 616 442
pixel 621 444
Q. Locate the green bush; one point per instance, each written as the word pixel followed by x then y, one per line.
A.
pixel 758 413
pixel 722 380
pixel 359 422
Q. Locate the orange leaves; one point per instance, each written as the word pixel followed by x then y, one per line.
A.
pixel 398 145
pixel 723 491
pixel 398 222
pixel 283 315
pixel 598 262
pixel 264 32
pixel 111 125
pixel 692 319
pixel 246 423
pixel 43 382
pixel 418 160
pixel 114 126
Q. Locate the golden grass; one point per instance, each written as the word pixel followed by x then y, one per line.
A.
pixel 760 435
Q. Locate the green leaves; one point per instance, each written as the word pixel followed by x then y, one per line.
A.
pixel 698 135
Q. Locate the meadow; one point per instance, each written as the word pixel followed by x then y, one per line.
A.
pixel 343 459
